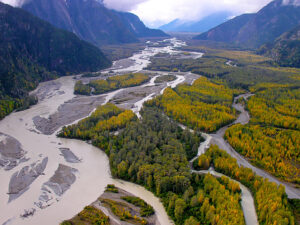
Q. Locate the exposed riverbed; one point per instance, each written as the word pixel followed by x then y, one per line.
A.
pixel 48 179
pixel 33 188
pixel 218 139
pixel 244 118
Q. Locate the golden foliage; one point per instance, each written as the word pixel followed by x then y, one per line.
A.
pixel 274 149
pixel 203 105
pixel 270 199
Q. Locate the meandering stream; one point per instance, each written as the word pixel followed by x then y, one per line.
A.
pixel 247 201
pixel 244 118
pixel 47 197
pixel 62 187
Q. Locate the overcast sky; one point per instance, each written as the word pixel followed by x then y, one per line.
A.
pixel 158 12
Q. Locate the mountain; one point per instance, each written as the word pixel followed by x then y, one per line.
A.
pixel 253 30
pixel 91 20
pixel 174 25
pixel 202 25
pixel 137 27
pixel 286 49
pixel 32 50
pixel 228 31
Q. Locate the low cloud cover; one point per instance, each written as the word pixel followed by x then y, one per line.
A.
pixel 123 5
pixel 157 12
pixel 12 2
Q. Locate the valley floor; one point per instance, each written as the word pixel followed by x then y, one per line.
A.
pixel 46 173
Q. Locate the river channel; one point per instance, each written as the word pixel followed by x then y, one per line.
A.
pixel 48 179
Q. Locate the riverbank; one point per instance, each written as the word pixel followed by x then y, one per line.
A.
pixel 58 106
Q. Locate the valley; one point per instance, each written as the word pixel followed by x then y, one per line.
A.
pixel 106 119
pixel 58 106
pixel 88 170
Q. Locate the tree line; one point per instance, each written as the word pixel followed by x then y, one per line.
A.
pixel 271 201
pixel 110 84
pixel 202 106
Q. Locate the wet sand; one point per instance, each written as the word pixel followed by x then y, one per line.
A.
pixel 86 180
pixel 11 152
pixel 26 208
pixel 69 156
pixel 70 111
pixel 21 180
pixel 57 185
pixel 47 199
pixel 128 98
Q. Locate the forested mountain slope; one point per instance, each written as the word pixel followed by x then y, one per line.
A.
pixel 137 27
pixel 286 49
pixel 32 50
pixel 90 20
pixel 269 23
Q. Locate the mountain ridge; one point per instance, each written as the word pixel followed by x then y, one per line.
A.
pixel 201 25
pixel 285 50
pixel 264 26
pixel 32 50
pixel 91 21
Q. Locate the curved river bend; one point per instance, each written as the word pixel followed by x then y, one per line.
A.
pixel 90 173
pixel 87 177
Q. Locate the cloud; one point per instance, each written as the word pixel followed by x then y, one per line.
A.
pixel 158 12
pixel 11 2
pixel 291 2
pixel 123 5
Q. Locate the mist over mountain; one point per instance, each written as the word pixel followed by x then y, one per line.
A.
pixel 253 30
pixel 91 20
pixel 202 25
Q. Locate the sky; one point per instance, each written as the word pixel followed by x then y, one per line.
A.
pixel 158 12
pixel 155 13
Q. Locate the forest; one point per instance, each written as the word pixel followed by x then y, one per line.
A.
pixel 271 201
pixel 33 51
pixel 105 119
pixel 272 139
pixel 277 106
pixel 8 104
pixel 204 105
pixel 90 215
pixel 101 86
pixel 154 153
pixel 274 149
pixel 165 78
pixel 248 70
pixel 208 200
